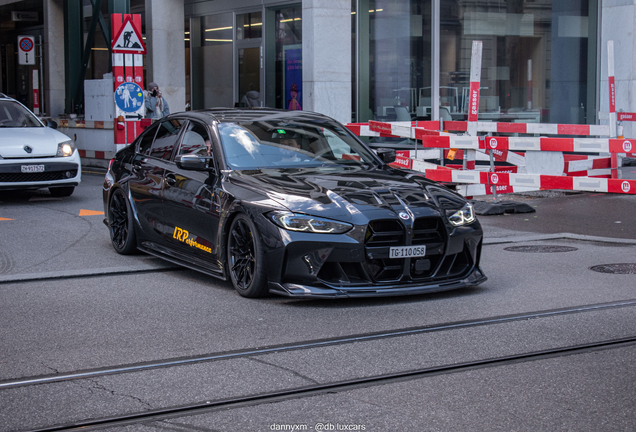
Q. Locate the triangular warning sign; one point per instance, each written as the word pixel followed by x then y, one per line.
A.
pixel 128 39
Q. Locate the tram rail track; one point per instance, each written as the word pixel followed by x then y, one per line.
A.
pixel 309 344
pixel 144 267
pixel 340 386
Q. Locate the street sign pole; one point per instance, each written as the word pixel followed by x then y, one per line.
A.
pixel 128 49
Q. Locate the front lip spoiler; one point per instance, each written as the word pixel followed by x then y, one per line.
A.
pixel 304 291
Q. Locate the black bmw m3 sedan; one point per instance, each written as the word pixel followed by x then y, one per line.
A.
pixel 290 203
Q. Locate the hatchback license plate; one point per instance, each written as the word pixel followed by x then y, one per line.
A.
pixel 407 251
pixel 32 168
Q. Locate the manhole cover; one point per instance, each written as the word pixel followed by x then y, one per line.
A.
pixel 541 249
pixel 615 268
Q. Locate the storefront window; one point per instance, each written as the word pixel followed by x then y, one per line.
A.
pixel 285 47
pixel 538 59
pixel 394 64
pixel 215 68
pixel 249 26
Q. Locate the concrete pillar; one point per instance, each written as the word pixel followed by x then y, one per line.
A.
pixel 327 58
pixel 618 22
pixel 165 61
pixel 53 40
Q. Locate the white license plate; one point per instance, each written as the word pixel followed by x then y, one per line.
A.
pixel 407 251
pixel 32 168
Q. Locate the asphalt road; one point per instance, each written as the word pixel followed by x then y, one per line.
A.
pixel 70 304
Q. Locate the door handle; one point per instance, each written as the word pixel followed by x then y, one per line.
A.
pixel 171 179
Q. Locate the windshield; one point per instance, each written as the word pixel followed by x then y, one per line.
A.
pixel 12 114
pixel 294 144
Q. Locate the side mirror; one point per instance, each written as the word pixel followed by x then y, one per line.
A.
pixel 51 124
pixel 387 155
pixel 193 162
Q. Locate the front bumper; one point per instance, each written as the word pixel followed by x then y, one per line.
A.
pixel 332 266
pixel 58 171
pixel 475 278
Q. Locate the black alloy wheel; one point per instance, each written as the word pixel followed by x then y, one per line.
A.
pixel 120 224
pixel 245 258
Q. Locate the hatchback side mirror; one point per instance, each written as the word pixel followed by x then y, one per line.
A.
pixel 387 155
pixel 51 124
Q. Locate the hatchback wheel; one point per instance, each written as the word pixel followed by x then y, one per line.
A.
pixel 120 224
pixel 245 258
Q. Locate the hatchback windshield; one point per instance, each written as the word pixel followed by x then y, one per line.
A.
pixel 12 114
pixel 290 145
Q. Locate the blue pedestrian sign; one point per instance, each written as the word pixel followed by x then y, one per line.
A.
pixel 129 101
pixel 129 97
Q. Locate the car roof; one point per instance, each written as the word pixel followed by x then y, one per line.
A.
pixel 239 115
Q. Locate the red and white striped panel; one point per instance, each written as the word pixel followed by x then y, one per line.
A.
pixel 494 127
pixel 96 154
pixel 587 166
pixel 584 145
pixel 361 129
pixel 410 159
pixel 531 128
pixel 479 189
pixel 535 181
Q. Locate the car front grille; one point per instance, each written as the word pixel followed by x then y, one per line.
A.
pixel 376 269
pixel 37 177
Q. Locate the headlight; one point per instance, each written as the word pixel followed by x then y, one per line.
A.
pixel 305 223
pixel 461 217
pixel 65 148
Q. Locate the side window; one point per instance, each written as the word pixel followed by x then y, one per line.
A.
pixel 196 141
pixel 145 141
pixel 166 138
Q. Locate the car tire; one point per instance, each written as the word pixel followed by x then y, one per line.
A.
pixel 245 258
pixel 120 224
pixel 62 191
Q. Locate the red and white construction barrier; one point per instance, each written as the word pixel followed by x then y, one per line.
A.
pixel 531 128
pixel 584 145
pixel 539 163
pixel 533 181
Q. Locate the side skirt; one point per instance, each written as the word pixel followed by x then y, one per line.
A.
pixel 192 262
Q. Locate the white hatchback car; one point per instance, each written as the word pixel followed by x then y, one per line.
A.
pixel 34 156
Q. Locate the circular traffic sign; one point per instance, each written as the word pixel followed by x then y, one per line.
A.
pixel 129 97
pixel 26 44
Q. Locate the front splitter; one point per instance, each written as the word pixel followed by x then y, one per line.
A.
pixel 306 291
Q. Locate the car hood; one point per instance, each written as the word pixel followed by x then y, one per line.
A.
pixel 42 140
pixel 346 194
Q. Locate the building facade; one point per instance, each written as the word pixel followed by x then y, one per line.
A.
pixel 355 60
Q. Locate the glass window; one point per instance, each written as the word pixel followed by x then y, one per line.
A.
pixel 394 63
pixel 291 144
pixel 216 58
pixel 166 139
pixel 538 60
pixel 249 76
pixel 145 140
pixel 284 47
pixel 249 25
pixel 196 141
